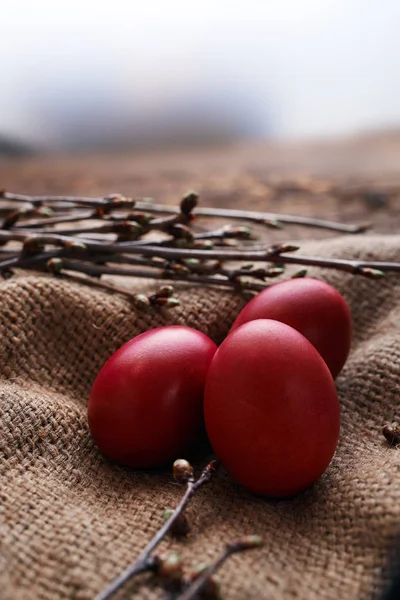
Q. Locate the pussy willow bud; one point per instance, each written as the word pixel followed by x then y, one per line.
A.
pixel 177 268
pixel 211 590
pixel 261 274
pixel 141 218
pixel 191 262
pixel 181 232
pixel 371 273
pixel 212 467
pixel 299 274
pixel 167 302
pixel 75 245
pixel 247 542
pixel 165 291
pixel 392 434
pixel 32 245
pixel 169 568
pixel 44 211
pixel 281 248
pixel 116 198
pixel 243 282
pixel 273 223
pixel 189 202
pixel 180 527
pixel 204 245
pixel 55 265
pixel 274 272
pixel 182 470
pixel 128 227
pixel 229 242
pixel 241 233
pixel 128 230
pixel 141 302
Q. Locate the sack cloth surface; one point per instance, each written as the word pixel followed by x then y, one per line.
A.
pixel 70 521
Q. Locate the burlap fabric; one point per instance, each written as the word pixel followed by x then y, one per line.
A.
pixel 70 520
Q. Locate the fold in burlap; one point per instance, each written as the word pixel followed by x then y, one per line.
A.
pixel 70 520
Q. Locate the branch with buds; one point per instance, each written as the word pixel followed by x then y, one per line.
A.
pixel 168 568
pixel 183 473
pixel 111 239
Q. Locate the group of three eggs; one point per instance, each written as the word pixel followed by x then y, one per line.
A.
pixel 267 395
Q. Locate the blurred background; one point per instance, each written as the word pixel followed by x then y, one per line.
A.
pixel 79 75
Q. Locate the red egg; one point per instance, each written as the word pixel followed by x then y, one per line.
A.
pixel 271 409
pixel 146 404
pixel 312 307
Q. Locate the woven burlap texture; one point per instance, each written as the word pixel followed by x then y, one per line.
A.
pixel 70 520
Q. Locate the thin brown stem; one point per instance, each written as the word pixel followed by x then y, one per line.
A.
pixel 96 283
pixel 114 199
pixel 254 217
pixel 76 216
pixel 151 207
pixel 356 267
pixel 28 262
pixel 268 254
pixel 163 258
pixel 242 545
pixel 40 200
pixel 145 562
pixel 221 233
pixel 121 225
pixel 134 248
pixel 169 275
pixel 139 261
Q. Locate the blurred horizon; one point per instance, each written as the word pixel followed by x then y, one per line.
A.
pixel 88 74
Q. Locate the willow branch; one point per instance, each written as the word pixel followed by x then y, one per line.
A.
pixel 96 283
pixel 121 226
pixel 76 216
pixel 269 254
pixel 106 201
pixel 274 254
pixel 239 282
pixel 356 267
pixel 145 562
pixel 150 250
pixel 254 217
pixel 144 204
pixel 250 542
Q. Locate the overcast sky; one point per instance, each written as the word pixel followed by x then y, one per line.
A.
pixel 297 67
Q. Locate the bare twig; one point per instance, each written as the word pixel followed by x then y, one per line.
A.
pixel 356 267
pixel 77 215
pixel 145 561
pixel 119 201
pixel 256 217
pixel 101 285
pixel 239 282
pixel 188 271
pixel 241 545
pixel 111 201
pixel 183 255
